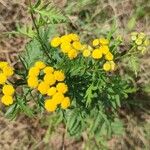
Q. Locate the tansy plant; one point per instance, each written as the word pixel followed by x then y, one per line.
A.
pixel 66 76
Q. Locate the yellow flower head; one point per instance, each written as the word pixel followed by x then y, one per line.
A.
pixel 72 54
pixel 146 42
pixel 77 45
pixel 8 71
pixel 58 97
pixel 65 103
pixel 96 42
pixel 141 35
pixel 109 56
pixel 65 38
pixel 32 82
pixel 7 100
pixel 3 64
pixel 138 41
pixel 40 65
pixel 43 87
pixel 49 79
pixel 48 70
pixel 97 54
pixel 62 88
pixel 34 71
pixel 50 105
pixel 86 53
pixel 65 47
pixel 113 65
pixel 8 90
pixel 104 49
pixel 74 37
pixel 55 42
pixel 104 41
pixel 51 91
pixel 59 75
pixel 3 78
pixel 107 66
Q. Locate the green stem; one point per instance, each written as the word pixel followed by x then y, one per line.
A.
pixel 37 30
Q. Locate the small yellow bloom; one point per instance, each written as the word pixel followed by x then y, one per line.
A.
pixel 34 71
pixel 95 42
pixel 51 91
pixel 109 56
pixel 50 105
pixel 62 88
pixel 65 103
pixel 7 100
pixel 104 41
pixel 138 41
pixel 104 49
pixel 8 71
pixel 97 54
pixel 72 54
pixel 59 75
pixel 133 37
pixel 40 65
pixel 113 65
pixel 65 38
pixel 107 66
pixel 55 42
pixel 32 82
pixel 146 42
pixel 49 79
pixel 65 47
pixel 86 53
pixel 43 87
pixel 77 45
pixel 58 97
pixel 141 35
pixel 3 64
pixel 74 37
pixel 3 78
pixel 48 70
pixel 8 90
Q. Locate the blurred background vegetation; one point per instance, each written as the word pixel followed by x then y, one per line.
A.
pixel 90 19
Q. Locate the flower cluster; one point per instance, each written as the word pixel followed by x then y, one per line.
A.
pixel 141 40
pixel 70 44
pixel 49 82
pixel 7 89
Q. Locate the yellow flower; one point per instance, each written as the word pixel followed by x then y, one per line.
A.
pixel 107 66
pixel 104 49
pixel 97 54
pixel 65 103
pixel 3 64
pixel 59 75
pixel 49 79
pixel 8 90
pixel 32 82
pixel 34 71
pixel 72 54
pixel 113 65
pixel 146 42
pixel 133 37
pixel 43 87
pixel 73 37
pixel 86 53
pixel 8 71
pixel 95 42
pixel 77 45
pixel 65 38
pixel 3 78
pixel 55 42
pixel 141 35
pixel 138 41
pixel 48 70
pixel 65 47
pixel 50 105
pixel 7 100
pixel 62 88
pixel 104 41
pixel 58 97
pixel 40 65
pixel 109 56
pixel 51 91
